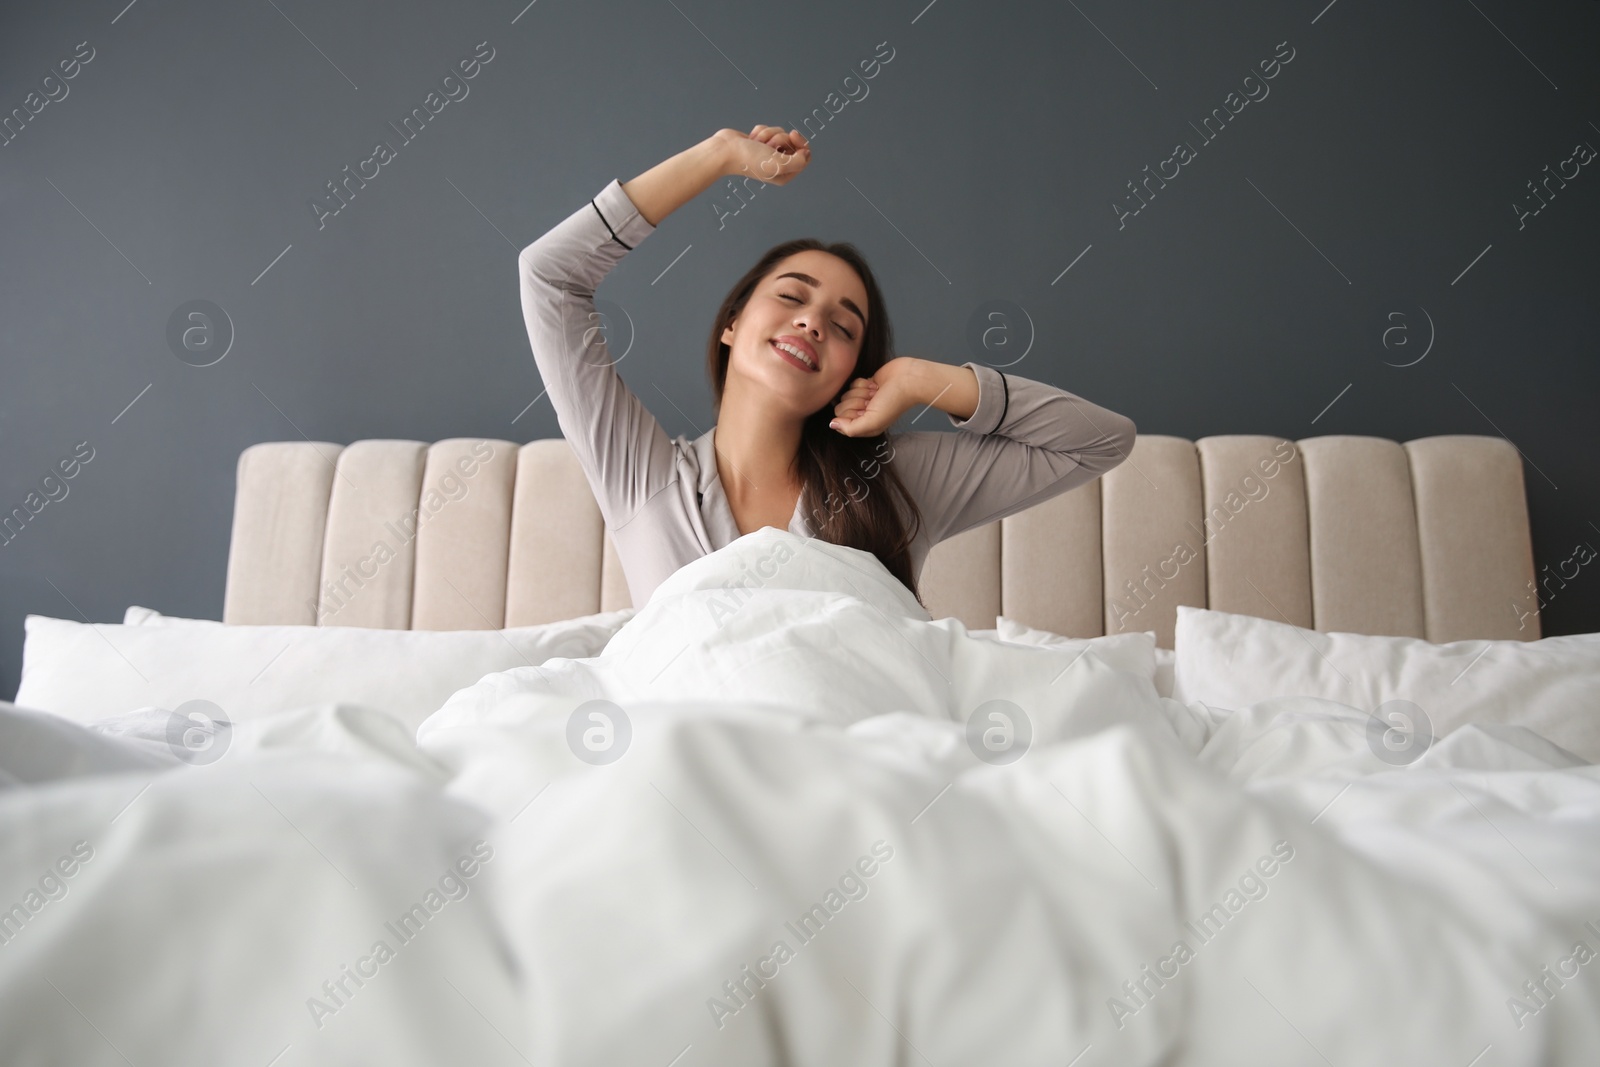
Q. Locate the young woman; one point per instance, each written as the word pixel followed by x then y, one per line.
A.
pixel 805 388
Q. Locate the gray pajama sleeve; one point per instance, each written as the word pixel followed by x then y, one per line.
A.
pixel 624 451
pixel 1025 443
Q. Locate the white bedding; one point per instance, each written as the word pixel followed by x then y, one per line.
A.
pixel 810 749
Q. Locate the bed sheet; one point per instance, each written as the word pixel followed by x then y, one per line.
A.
pixel 819 828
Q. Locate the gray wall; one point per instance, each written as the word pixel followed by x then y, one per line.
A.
pixel 1292 263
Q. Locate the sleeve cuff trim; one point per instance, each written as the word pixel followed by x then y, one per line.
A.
pixel 613 233
pixel 1005 403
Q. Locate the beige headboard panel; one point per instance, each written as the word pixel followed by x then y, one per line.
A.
pixel 1427 539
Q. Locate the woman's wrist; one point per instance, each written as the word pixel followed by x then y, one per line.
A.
pixel 720 152
pixel 953 390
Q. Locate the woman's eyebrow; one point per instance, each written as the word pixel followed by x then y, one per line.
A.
pixel 844 301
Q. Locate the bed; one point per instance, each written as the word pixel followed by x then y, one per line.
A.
pixel 1250 752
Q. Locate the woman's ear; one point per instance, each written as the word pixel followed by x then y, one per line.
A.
pixel 727 332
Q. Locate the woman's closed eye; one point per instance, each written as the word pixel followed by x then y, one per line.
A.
pixel 848 335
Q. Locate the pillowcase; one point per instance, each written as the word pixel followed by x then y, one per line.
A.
pixel 85 672
pixel 1551 687
pixel 1118 650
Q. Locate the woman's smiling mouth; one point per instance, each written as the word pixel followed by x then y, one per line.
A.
pixel 797 353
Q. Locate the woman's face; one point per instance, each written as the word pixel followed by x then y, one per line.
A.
pixel 817 303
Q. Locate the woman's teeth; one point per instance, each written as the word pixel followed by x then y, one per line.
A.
pixel 796 353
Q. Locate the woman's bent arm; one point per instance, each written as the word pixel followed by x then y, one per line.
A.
pixel 1024 442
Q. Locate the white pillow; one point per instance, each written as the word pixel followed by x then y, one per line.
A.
pixel 1551 687
pixel 1128 651
pixel 86 672
pixel 137 616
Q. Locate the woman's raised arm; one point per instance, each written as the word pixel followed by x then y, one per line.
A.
pixel 624 452
pixel 766 153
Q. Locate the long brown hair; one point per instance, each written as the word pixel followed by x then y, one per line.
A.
pixel 850 490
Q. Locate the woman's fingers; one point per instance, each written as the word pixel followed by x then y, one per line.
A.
pixel 856 393
pixel 856 399
pixel 790 140
pixel 786 155
pixel 769 135
pixel 775 137
pixel 854 411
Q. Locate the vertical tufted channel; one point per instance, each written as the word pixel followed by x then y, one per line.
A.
pixel 1051 567
pixel 463 535
pixel 1155 557
pixel 280 509
pixel 556 533
pixel 369 549
pixel 960 577
pixel 1366 570
pixel 1477 549
pixel 1258 561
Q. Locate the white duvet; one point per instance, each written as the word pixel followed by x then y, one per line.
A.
pixel 782 820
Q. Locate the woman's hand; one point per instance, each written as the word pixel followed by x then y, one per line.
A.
pixel 766 153
pixel 872 405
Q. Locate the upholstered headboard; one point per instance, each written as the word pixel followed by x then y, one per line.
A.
pixel 1427 539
